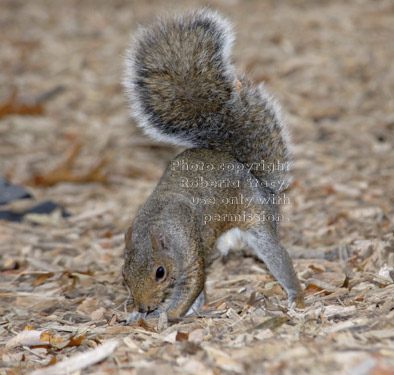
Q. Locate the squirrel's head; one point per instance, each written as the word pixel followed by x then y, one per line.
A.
pixel 149 269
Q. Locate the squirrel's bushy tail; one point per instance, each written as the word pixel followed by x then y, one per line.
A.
pixel 183 89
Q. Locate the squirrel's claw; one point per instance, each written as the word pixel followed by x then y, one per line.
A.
pixel 135 316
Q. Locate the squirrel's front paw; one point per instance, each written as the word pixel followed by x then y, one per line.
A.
pixel 135 316
pixel 197 304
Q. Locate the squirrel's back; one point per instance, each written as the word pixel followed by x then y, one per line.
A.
pixel 183 89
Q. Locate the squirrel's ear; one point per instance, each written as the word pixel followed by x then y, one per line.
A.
pixel 127 237
pixel 158 238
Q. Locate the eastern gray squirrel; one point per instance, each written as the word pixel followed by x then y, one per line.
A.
pixel 182 88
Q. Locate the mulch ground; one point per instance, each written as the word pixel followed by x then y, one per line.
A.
pixel 65 135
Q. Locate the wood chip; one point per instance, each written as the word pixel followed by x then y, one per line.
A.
pixel 80 361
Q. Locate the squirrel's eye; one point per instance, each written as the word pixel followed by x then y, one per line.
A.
pixel 160 273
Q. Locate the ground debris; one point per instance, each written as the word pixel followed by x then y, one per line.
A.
pixel 63 306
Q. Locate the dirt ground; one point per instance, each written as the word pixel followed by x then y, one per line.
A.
pixel 65 134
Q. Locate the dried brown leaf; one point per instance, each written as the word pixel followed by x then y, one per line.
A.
pixel 28 327
pixel 75 340
pixel 316 268
pixel 181 336
pixel 14 107
pixel 64 173
pixel 39 280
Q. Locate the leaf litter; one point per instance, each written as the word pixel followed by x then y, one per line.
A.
pixel 65 130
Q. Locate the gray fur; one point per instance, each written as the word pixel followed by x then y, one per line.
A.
pixel 182 89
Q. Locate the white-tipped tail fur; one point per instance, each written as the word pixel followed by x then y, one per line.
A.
pixel 219 27
pixel 182 89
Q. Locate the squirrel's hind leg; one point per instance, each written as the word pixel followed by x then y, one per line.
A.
pixel 268 249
